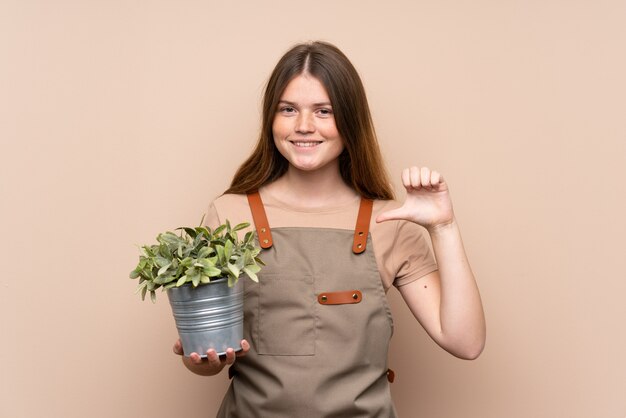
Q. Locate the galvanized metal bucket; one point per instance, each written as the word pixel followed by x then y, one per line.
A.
pixel 208 316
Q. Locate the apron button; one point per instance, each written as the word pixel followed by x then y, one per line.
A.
pixel 265 241
pixel 355 296
pixel 263 229
pixel 324 298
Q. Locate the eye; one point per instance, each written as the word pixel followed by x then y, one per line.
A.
pixel 286 109
pixel 325 111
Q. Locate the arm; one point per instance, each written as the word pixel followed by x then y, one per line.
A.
pixel 445 302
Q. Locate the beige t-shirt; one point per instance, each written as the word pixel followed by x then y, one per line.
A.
pixel 401 248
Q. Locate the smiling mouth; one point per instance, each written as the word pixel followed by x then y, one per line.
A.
pixel 306 144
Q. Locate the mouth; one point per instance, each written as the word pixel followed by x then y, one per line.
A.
pixel 306 144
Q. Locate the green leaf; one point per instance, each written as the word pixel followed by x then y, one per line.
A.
pixel 253 268
pixel 195 280
pixel 141 286
pixel 241 226
pixel 170 238
pixel 153 296
pixel 247 239
pixel 247 257
pixel 212 271
pixel 233 269
pixel 219 229
pixel 134 274
pixel 205 279
pixel 190 231
pixel 148 251
pixel 251 274
pixel 164 252
pixel 204 252
pixel 240 262
pixel 220 254
pixel 166 278
pixel 143 293
pixel 164 269
pixel 161 261
pixel 181 281
pixel 202 262
pixel 203 231
pixel 228 250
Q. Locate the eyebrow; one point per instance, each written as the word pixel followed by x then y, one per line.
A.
pixel 287 102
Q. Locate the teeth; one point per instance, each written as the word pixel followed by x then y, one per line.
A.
pixel 306 143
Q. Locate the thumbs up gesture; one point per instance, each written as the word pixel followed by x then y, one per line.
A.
pixel 427 201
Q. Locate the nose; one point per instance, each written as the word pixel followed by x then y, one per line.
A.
pixel 305 123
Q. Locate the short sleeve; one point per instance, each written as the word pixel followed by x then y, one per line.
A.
pixel 412 255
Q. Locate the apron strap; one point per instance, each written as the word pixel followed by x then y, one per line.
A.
pixel 362 225
pixel 260 220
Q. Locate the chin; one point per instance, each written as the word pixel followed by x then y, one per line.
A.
pixel 305 166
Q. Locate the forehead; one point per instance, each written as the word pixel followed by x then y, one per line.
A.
pixel 303 89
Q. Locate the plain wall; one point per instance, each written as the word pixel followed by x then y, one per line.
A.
pixel 120 119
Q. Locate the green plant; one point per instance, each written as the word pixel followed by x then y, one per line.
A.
pixel 197 255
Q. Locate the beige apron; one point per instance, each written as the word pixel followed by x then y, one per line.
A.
pixel 318 324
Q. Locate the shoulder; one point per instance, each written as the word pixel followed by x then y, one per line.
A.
pixel 229 201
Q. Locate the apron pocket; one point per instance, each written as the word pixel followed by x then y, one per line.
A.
pixel 286 315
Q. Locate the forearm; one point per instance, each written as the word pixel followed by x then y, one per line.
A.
pixel 461 314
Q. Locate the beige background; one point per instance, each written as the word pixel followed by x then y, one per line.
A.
pixel 119 119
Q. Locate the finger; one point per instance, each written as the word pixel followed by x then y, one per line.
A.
pixel 213 359
pixel 245 347
pixel 230 356
pixel 406 178
pixel 390 215
pixel 195 358
pixel 435 178
pixel 415 178
pixel 178 348
pixel 425 177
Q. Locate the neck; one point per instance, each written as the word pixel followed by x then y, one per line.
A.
pixel 312 189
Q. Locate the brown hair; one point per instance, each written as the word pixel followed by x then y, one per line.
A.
pixel 361 164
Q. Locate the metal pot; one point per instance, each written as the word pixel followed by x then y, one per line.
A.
pixel 208 316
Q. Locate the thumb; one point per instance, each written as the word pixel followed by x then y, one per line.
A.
pixel 391 215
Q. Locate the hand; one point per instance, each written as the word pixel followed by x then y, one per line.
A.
pixel 212 364
pixel 427 201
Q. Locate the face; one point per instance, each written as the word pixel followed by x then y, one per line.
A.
pixel 304 126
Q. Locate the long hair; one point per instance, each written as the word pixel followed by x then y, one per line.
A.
pixel 360 164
